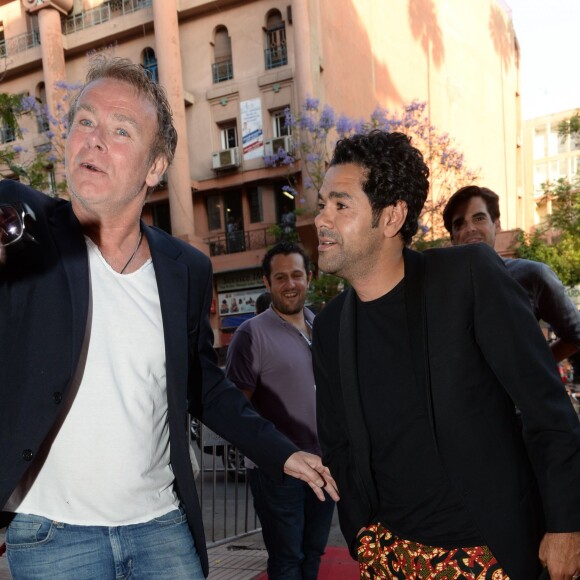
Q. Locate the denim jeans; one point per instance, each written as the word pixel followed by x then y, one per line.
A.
pixel 295 525
pixel 42 549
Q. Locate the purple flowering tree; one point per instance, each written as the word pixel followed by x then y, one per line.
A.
pixel 41 167
pixel 315 131
pixel 447 167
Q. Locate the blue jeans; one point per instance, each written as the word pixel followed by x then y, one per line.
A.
pixel 295 525
pixel 41 549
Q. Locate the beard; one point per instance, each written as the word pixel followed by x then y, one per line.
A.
pixel 288 309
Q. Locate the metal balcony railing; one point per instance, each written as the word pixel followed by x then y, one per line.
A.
pixel 222 71
pixel 240 241
pixel 276 56
pixel 19 43
pixel 101 14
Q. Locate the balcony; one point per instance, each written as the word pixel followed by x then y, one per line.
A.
pixel 240 242
pixel 103 13
pixel 19 43
pixel 222 71
pixel 276 56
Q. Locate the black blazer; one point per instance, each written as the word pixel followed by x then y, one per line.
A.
pixel 44 298
pixel 477 349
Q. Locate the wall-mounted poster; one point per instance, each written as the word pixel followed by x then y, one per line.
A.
pixel 252 133
pixel 240 302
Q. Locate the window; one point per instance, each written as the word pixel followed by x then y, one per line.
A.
pixel 563 144
pixel 233 213
pixel 540 177
pixel 540 143
pixel 213 212
pixel 42 123
pixel 276 53
pixel 255 202
pixel 150 64
pixel 228 136
pixel 2 40
pixel 553 140
pixel 222 69
pixel 7 133
pixel 280 125
pixel 161 216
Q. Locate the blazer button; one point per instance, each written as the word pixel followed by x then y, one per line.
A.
pixel 57 397
pixel 27 455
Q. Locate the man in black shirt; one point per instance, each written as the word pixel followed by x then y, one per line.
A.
pixel 418 366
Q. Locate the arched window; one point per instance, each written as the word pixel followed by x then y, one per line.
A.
pixel 222 68
pixel 42 122
pixel 276 53
pixel 150 64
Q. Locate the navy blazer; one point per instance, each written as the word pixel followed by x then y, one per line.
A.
pixel 477 350
pixel 44 300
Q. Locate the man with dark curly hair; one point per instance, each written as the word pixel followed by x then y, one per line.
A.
pixel 418 368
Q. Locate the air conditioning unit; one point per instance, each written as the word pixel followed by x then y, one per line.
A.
pixel 271 146
pixel 226 159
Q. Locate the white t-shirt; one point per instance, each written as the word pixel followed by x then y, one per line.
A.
pixel 109 462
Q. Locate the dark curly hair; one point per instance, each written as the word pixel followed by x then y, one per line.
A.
pixel 122 69
pixel 394 170
pixel 284 248
pixel 464 194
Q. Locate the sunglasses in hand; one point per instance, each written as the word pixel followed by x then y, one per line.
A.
pixel 13 220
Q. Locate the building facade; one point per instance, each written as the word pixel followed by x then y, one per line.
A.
pixel 549 158
pixel 231 68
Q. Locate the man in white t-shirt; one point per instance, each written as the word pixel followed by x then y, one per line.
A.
pixel 106 345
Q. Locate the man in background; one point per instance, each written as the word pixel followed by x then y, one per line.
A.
pixel 270 360
pixel 263 302
pixel 472 216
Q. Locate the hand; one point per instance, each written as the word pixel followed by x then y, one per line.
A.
pixel 560 553
pixel 309 468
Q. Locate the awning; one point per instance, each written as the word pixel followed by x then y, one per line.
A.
pixel 235 320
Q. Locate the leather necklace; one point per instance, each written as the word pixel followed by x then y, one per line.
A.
pixel 134 252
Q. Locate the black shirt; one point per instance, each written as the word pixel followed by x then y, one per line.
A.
pixel 417 500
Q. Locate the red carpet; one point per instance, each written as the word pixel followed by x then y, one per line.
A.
pixel 336 565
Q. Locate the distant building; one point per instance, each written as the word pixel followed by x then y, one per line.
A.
pixel 231 68
pixel 548 158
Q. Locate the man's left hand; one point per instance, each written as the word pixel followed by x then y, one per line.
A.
pixel 309 468
pixel 560 553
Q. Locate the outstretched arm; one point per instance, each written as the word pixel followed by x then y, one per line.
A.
pixel 309 468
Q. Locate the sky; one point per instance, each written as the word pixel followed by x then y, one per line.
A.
pixel 547 31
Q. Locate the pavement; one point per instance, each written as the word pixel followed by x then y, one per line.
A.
pixel 245 559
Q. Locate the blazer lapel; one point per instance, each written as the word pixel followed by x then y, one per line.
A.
pixel 417 325
pixel 68 236
pixel 359 436
pixel 172 284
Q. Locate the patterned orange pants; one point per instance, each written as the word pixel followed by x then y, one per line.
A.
pixel 381 554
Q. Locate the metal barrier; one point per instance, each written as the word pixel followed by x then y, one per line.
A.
pixel 225 496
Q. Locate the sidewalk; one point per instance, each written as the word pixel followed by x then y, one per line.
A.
pixel 245 559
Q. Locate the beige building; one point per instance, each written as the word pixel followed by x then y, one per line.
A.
pixel 231 68
pixel 548 158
